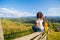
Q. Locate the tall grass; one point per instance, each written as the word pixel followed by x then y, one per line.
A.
pixel 53 35
pixel 15 29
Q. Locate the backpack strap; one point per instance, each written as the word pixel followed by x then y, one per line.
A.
pixel 43 21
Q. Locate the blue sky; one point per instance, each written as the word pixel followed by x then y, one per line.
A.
pixel 19 8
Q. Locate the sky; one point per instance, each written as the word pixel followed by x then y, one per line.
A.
pixel 23 8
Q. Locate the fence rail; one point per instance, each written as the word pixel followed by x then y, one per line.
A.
pixel 34 36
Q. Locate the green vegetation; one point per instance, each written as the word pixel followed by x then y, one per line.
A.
pixel 18 27
pixel 53 35
pixel 14 29
pixel 53 24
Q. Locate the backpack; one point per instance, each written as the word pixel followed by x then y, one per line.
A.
pixel 45 24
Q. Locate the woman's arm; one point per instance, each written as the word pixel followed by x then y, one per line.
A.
pixel 36 24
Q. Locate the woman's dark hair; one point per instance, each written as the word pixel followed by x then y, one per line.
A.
pixel 39 15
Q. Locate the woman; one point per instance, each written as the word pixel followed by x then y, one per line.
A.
pixel 39 23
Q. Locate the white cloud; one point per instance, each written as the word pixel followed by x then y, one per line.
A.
pixel 1 14
pixel 53 12
pixel 15 12
pixel 54 9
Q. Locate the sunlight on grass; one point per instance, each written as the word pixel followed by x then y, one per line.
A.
pixel 14 30
pixel 53 35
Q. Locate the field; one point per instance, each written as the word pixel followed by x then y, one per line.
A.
pixel 18 27
pixel 53 35
pixel 53 24
pixel 13 29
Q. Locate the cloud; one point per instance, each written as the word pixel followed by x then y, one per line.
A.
pixel 5 12
pixel 54 9
pixel 53 12
pixel 1 14
pixel 14 13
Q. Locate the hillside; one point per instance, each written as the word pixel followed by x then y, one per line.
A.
pixel 17 27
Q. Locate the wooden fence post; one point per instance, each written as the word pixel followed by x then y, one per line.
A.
pixel 1 31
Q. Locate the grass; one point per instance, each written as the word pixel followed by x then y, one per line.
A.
pixel 53 35
pixel 14 30
pixel 17 34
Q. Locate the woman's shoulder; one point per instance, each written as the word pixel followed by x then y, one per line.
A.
pixel 37 20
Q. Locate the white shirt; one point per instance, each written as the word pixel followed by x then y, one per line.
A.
pixel 40 23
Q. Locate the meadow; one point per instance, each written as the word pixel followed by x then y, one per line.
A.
pixel 13 29
pixel 53 24
pixel 18 27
